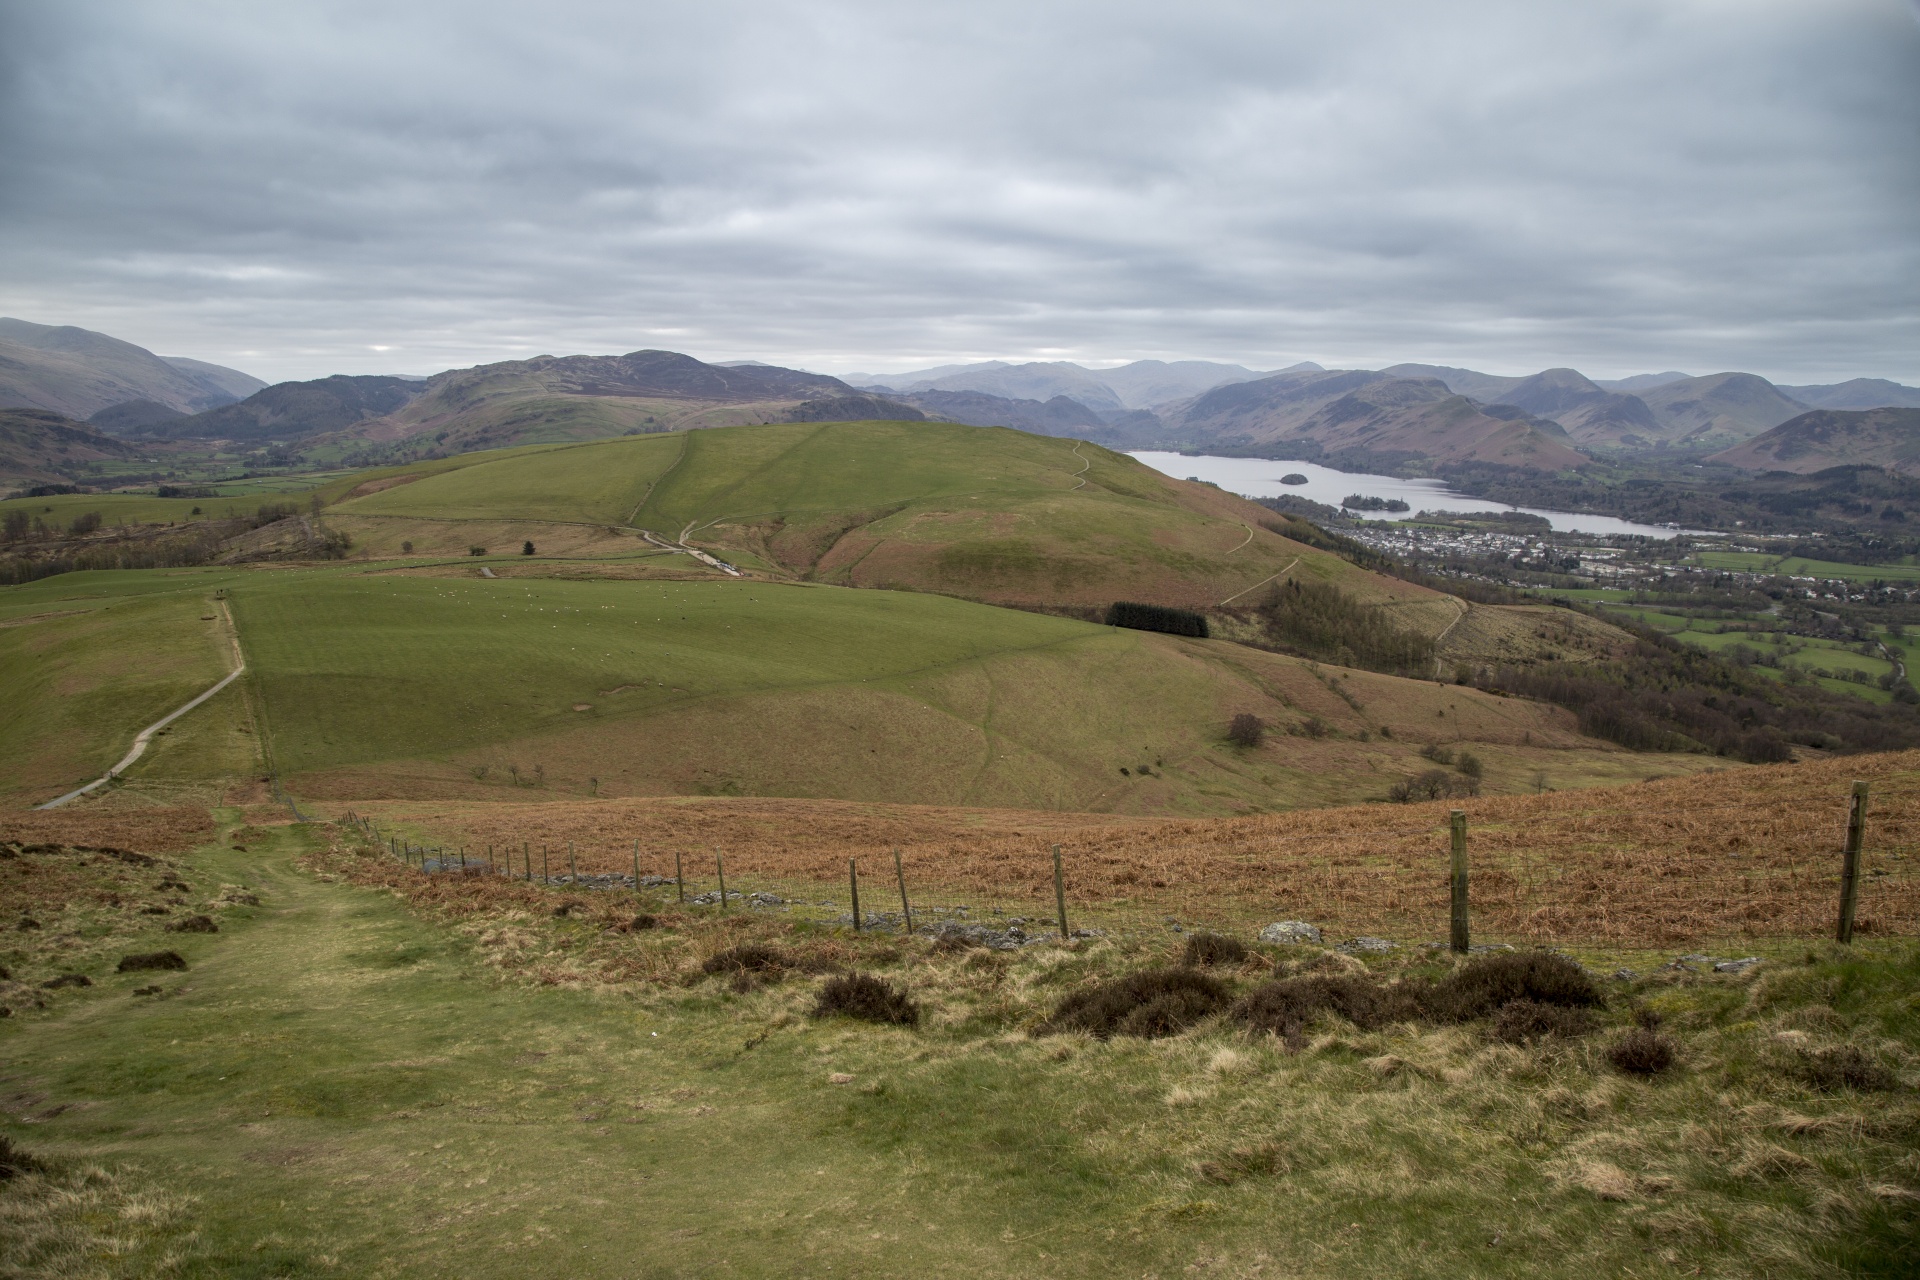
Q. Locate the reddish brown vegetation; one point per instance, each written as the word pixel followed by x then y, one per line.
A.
pixel 1747 851
pixel 168 830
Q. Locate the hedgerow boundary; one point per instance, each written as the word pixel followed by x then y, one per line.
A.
pixel 1752 853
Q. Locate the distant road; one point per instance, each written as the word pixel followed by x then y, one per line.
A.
pixel 145 736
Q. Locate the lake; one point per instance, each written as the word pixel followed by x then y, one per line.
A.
pixel 1260 478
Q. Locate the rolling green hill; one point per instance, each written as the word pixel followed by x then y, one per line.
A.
pixel 371 681
pixel 987 513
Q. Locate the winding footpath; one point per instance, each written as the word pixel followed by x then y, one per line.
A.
pixel 145 736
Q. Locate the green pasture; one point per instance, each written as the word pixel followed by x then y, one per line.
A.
pixel 1806 567
pixel 356 667
pixel 87 660
pixel 131 508
pixel 339 1087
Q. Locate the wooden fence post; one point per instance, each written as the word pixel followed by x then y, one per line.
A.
pixel 526 856
pixel 1060 894
pixel 853 883
pixel 573 871
pixel 1460 935
pixel 720 870
pixel 1850 860
pixel 636 866
pixel 906 911
pixel 679 880
pixel 546 877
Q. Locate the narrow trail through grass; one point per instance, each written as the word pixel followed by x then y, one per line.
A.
pixel 343 1089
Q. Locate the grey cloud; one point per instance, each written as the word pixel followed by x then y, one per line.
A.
pixel 1644 184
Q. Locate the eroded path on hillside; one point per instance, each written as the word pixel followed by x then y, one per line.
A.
pixel 340 1088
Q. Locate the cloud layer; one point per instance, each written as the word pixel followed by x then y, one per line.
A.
pixel 360 187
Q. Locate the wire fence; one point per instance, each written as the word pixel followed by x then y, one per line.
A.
pixel 1615 873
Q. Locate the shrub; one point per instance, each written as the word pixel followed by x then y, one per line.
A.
pixel 85 523
pixel 1437 753
pixel 1246 730
pixel 1642 1052
pixel 476 551
pixel 14 1161
pixel 1151 1003
pixel 406 548
pixel 194 924
pixel 1470 765
pixel 1153 617
pixel 1285 1006
pixel 748 957
pixel 870 999
pixel 526 548
pixel 1434 784
pixel 643 921
pixel 67 980
pixel 151 960
pixel 1213 948
pixel 1846 1066
pixel 1485 985
pixel 1525 1021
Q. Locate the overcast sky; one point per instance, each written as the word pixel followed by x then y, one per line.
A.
pixel 409 185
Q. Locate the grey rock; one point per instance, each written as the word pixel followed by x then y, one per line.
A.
pixel 1011 938
pixel 1290 931
pixel 1366 946
pixel 763 899
pixel 712 897
pixel 1624 975
pixel 1490 947
pixel 1736 966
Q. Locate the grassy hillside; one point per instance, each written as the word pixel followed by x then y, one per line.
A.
pixel 987 513
pixel 438 682
pixel 39 447
pixel 365 1072
pixel 87 660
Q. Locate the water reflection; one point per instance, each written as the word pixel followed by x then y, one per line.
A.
pixel 1260 478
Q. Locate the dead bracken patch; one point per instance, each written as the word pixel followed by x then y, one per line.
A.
pixel 151 960
pixel 870 999
pixel 748 957
pixel 1590 865
pixel 1151 1003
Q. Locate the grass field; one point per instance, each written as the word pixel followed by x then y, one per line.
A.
pixel 89 659
pixel 434 681
pixel 353 1081
pixel 985 513
pixel 1803 567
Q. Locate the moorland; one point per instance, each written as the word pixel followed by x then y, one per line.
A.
pixel 497 918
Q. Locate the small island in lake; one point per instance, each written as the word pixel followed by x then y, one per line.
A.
pixel 1293 477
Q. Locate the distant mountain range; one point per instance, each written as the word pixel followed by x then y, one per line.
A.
pixel 77 373
pixel 1888 438
pixel 1403 416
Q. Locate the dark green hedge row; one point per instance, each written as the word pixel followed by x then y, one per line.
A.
pixel 1153 617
